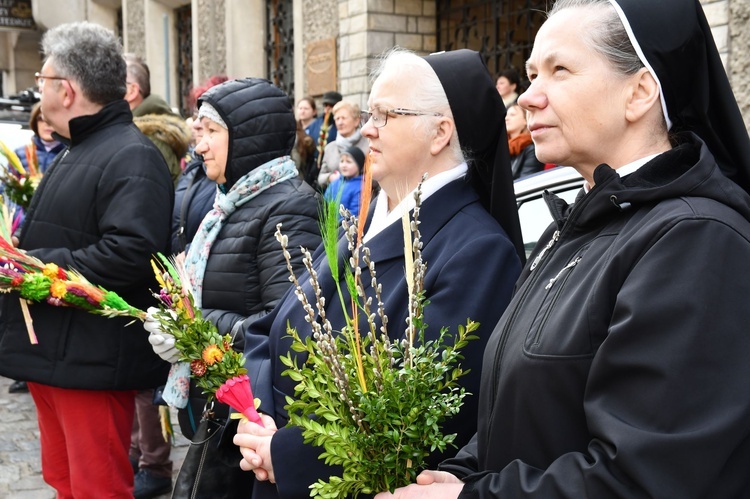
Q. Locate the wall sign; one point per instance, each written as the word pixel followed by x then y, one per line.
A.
pixel 321 66
pixel 16 14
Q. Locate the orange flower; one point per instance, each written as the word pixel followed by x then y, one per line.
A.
pixel 57 289
pixel 212 354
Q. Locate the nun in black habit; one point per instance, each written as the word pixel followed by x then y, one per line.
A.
pixel 620 368
pixel 439 115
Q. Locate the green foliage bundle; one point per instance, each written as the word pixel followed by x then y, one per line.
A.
pixel 374 405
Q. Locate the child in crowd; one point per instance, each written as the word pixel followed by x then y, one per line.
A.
pixel 349 183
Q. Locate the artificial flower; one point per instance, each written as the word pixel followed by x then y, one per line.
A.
pixel 212 354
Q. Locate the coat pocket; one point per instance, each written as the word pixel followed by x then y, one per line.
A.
pixel 556 328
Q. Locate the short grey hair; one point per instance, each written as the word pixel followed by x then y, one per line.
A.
pixel 609 36
pixel 422 90
pixel 139 73
pixel 91 55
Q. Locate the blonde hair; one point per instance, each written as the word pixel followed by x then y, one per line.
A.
pixel 347 106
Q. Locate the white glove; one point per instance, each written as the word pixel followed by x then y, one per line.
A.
pixel 161 341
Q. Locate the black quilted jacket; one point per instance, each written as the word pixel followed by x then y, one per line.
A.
pixel 246 273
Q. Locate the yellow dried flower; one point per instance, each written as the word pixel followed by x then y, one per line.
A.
pixel 57 289
pixel 212 354
pixel 51 270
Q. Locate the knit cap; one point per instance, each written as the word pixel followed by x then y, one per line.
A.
pixel 357 155
pixel 208 111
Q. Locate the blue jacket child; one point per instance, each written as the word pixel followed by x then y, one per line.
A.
pixel 349 183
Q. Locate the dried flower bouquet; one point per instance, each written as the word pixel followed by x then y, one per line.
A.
pixel 19 182
pixel 214 365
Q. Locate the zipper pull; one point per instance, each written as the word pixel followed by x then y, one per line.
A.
pixel 568 266
pixel 541 254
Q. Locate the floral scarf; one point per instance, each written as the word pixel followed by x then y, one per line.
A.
pixel 246 188
pixel 176 391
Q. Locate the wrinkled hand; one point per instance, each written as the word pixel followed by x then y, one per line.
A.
pixel 161 341
pixel 254 442
pixel 430 485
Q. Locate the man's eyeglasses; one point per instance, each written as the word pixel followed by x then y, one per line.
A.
pixel 380 116
pixel 39 78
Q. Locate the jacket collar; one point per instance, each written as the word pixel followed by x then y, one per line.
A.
pixel 82 127
pixel 435 212
pixel 688 169
pixel 41 146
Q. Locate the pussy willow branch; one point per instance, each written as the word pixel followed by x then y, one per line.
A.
pixel 322 335
pixel 417 279
pixel 352 231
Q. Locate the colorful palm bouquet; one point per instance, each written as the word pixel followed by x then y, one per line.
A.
pixel 374 404
pixel 214 365
pixel 37 281
pixel 19 182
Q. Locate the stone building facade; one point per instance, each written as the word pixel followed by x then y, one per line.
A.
pixel 329 44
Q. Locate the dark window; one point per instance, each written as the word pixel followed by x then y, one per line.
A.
pixel 501 30
pixel 183 19
pixel 280 44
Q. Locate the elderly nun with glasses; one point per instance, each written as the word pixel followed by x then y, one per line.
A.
pixel 447 105
pixel 620 368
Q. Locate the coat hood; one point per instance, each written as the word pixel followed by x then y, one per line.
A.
pixel 168 128
pixel 153 104
pixel 260 120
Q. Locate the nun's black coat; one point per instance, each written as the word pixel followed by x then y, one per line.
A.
pixel 620 368
pixel 471 268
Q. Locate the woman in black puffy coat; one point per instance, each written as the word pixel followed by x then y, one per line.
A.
pixel 236 267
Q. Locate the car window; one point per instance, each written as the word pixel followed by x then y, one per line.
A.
pixel 535 217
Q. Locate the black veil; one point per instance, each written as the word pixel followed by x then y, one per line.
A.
pixel 479 114
pixel 674 40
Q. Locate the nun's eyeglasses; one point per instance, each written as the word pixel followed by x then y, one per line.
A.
pixel 380 116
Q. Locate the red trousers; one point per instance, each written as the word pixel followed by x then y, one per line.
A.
pixel 85 437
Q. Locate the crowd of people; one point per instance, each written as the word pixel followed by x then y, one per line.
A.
pixel 612 363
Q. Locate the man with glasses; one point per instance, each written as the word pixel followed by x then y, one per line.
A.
pixel 103 208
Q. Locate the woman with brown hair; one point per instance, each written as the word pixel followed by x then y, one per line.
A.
pixel 522 151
